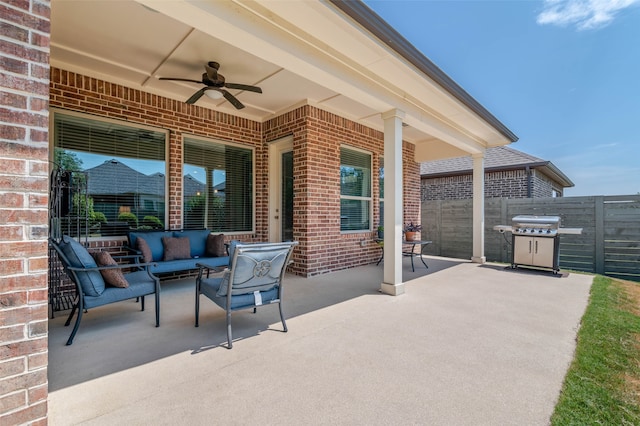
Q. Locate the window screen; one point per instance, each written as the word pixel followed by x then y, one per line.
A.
pixel 218 186
pixel 355 190
pixel 124 167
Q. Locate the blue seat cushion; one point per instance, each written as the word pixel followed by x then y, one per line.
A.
pixel 197 240
pixel 210 286
pixel 140 284
pixel 186 264
pixel 91 282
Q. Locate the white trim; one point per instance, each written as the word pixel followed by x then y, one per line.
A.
pixel 276 149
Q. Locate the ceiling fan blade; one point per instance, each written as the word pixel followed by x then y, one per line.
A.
pixel 243 87
pixel 212 70
pixel 194 98
pixel 180 79
pixel 234 101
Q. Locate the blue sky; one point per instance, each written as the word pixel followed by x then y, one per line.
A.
pixel 563 75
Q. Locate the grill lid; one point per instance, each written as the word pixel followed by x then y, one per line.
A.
pixel 530 221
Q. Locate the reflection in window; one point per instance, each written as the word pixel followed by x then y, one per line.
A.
pixel 355 190
pixel 124 167
pixel 218 186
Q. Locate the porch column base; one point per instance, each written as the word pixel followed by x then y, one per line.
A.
pixel 479 259
pixel 392 289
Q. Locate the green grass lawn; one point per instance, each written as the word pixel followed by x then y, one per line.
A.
pixel 602 386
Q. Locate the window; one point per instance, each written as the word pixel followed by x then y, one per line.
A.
pixel 218 186
pixel 124 168
pixel 355 190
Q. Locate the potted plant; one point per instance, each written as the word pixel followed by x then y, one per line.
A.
pixel 381 232
pixel 412 232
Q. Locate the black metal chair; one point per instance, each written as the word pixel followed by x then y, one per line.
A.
pixel 254 279
pixel 82 269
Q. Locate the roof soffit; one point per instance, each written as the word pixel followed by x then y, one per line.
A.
pixel 320 43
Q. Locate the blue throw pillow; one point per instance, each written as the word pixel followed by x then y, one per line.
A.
pixel 91 282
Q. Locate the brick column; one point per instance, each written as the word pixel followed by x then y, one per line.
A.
pixel 24 122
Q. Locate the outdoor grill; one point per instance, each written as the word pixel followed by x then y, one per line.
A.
pixel 535 240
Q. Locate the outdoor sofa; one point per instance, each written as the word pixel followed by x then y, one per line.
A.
pixel 175 251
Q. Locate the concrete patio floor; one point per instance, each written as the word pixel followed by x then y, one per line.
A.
pixel 467 344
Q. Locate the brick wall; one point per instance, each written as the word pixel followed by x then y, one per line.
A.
pixel 24 86
pixel 76 92
pixel 505 183
pixel 317 137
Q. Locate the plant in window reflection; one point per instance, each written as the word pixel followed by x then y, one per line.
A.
pixel 151 222
pixel 84 208
pixel 217 213
pixel 130 218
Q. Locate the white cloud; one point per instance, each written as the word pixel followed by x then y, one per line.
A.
pixel 584 14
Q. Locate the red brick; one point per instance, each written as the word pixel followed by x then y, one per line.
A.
pixel 11 267
pixel 39 136
pixel 13 299
pixel 28 152
pixel 11 233
pixel 11 402
pixel 23 315
pixel 25 216
pixel 20 249
pixel 12 133
pixel 18 167
pixel 25 348
pixel 12 367
pixel 37 394
pixel 38 264
pixel 27 118
pixel 27 282
pixel 28 415
pixel 24 84
pixel 38 329
pixel 38 201
pixel 13 100
pixel 39 360
pixel 12 200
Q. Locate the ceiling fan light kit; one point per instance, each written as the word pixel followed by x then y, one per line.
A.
pixel 214 94
pixel 214 86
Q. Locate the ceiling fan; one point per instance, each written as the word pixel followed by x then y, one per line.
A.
pixel 215 84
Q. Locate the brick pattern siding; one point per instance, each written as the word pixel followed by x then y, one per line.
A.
pixel 24 188
pixel 317 136
pixel 507 184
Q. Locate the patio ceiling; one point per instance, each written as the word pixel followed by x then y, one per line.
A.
pixel 297 52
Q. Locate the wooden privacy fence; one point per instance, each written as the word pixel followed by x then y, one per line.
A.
pixel 609 243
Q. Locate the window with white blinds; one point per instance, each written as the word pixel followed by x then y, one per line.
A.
pixel 218 186
pixel 124 165
pixel 355 190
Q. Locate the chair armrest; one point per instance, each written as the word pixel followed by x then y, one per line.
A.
pixel 101 268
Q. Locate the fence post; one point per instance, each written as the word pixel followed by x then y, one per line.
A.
pixel 599 237
pixel 504 253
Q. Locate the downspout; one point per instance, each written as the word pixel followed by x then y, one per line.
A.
pixel 529 188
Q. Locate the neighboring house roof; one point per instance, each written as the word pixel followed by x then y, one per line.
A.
pixel 192 186
pixel 114 178
pixel 130 181
pixel 496 159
